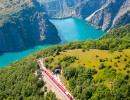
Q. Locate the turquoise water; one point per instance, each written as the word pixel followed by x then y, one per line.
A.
pixel 70 29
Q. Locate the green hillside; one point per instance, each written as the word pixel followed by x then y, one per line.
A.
pixel 83 72
pixel 24 24
pixel 8 9
pixel 96 74
pixel 18 82
pixel 122 32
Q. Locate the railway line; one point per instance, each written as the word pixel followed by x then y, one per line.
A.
pixel 51 80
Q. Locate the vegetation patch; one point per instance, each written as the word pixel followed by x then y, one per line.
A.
pixel 80 69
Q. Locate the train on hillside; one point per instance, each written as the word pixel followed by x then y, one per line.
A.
pixel 66 93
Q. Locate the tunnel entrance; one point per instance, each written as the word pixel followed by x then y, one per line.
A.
pixel 57 71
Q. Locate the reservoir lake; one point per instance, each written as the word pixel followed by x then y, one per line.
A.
pixel 69 29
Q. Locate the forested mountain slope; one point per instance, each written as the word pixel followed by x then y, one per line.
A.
pixel 23 24
pixel 18 82
pixel 107 11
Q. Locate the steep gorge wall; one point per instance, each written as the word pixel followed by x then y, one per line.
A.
pixel 105 18
pixel 74 8
pixel 107 11
pixel 26 28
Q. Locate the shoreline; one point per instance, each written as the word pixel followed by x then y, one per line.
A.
pixel 61 18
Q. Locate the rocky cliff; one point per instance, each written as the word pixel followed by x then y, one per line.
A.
pixel 24 26
pixel 71 8
pixel 102 13
pixel 105 18
pixel 122 20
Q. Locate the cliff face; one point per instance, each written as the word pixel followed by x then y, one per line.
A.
pixel 102 13
pixel 25 28
pixel 106 17
pixel 122 20
pixel 70 8
pixel 74 8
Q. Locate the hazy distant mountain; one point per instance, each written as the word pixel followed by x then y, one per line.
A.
pixel 24 24
pixel 103 13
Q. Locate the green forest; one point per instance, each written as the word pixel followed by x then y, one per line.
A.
pixel 17 80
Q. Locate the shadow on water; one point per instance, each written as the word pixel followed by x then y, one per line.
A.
pixel 22 50
pixel 1 53
pixel 70 29
pixel 62 38
pixel 12 56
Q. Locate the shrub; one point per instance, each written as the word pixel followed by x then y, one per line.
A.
pixel 97 56
pixel 125 59
pixel 57 52
pixel 110 60
pixel 93 71
pixel 115 64
pixel 109 66
pixel 49 60
pixel 46 65
pixel 126 55
pixel 118 61
pixel 83 50
pixel 103 60
pixel 93 66
pixel 119 50
pixel 118 57
pixel 124 68
pixel 126 77
pixel 102 66
pixel 100 60
pixel 127 66
pixel 106 59
pixel 128 71
pixel 119 69
pixel 45 88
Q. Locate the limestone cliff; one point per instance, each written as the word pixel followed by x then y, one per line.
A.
pixel 25 26
pixel 105 18
pixel 102 13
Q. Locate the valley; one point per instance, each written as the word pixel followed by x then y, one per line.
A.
pixel 104 16
pixel 70 29
pixel 64 49
pixel 109 54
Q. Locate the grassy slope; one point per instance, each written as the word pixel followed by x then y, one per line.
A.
pixel 20 83
pixel 89 60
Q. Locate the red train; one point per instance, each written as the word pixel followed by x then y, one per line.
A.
pixel 58 84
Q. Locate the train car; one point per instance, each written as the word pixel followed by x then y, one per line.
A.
pixel 55 82
pixel 69 96
pixel 51 77
pixel 61 88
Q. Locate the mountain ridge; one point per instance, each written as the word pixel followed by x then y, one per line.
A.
pixel 25 27
pixel 103 19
